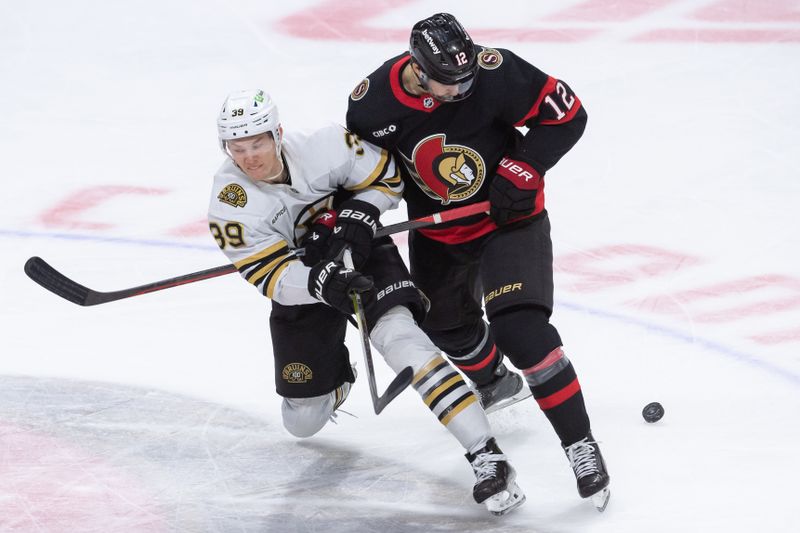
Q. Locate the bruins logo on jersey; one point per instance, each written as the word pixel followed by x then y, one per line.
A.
pixel 297 373
pixel 233 195
pixel 490 59
pixel 360 90
pixel 446 172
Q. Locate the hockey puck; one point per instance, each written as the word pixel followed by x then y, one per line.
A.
pixel 652 412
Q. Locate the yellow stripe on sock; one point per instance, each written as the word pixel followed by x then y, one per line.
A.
pixel 438 390
pixel 430 365
pixel 463 405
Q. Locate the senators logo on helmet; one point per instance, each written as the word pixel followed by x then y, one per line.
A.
pixel 446 172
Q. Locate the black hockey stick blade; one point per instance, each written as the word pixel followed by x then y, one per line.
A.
pixel 400 383
pixel 54 281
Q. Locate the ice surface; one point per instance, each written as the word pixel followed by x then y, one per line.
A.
pixel 676 248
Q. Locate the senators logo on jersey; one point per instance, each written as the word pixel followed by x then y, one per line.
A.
pixel 360 90
pixel 446 172
pixel 490 59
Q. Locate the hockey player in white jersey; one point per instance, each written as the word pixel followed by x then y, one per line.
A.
pixel 276 195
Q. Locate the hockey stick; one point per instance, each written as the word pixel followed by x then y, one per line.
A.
pixel 54 281
pixel 401 381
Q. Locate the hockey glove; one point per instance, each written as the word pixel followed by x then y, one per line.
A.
pixel 330 282
pixel 315 241
pixel 355 226
pixel 512 193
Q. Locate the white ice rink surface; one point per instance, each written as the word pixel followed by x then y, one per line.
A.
pixel 676 240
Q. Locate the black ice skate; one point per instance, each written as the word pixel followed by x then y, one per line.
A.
pixel 507 388
pixel 495 485
pixel 590 470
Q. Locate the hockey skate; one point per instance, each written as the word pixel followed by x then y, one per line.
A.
pixel 495 484
pixel 507 388
pixel 590 471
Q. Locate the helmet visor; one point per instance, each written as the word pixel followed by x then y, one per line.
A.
pixel 454 90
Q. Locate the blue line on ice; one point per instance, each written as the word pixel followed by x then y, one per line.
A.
pixel 687 338
pixel 672 333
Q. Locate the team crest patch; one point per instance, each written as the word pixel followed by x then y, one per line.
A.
pixel 490 59
pixel 360 90
pixel 297 373
pixel 233 195
pixel 446 172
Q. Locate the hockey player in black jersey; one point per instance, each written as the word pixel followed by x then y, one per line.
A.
pixel 449 110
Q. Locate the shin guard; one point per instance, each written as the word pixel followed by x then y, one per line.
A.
pixel 556 389
pixel 477 357
pixel 534 346
pixel 456 406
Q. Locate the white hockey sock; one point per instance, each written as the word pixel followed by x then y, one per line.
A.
pixel 402 343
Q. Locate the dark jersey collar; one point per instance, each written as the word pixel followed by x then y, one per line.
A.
pixel 409 100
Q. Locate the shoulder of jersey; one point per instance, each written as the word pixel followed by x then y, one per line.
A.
pixel 491 59
pixel 309 149
pixel 330 133
pixel 379 79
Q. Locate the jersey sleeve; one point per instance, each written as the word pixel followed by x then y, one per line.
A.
pixel 262 257
pixel 548 106
pixel 370 173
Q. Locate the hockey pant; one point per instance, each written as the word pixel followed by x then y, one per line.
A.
pixel 401 342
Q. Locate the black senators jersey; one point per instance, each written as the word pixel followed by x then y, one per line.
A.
pixel 450 151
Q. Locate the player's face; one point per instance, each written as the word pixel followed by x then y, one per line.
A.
pixel 442 92
pixel 256 156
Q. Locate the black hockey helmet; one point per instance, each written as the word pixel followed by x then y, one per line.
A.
pixel 444 52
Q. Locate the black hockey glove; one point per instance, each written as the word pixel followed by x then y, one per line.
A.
pixel 315 241
pixel 512 193
pixel 332 283
pixel 356 224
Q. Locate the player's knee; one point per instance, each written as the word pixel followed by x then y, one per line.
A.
pixel 461 340
pixel 525 335
pixel 399 339
pixel 304 417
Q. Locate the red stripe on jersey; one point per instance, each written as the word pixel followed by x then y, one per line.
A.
pixel 569 116
pixel 548 88
pixel 459 234
pixel 414 102
pixel 557 398
pixel 482 364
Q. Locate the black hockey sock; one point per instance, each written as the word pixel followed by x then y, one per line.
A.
pixel 556 389
pixel 477 359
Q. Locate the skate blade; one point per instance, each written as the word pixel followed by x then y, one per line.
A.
pixel 600 499
pixel 524 394
pixel 505 501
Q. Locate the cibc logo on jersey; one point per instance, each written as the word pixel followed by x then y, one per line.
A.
pixel 446 172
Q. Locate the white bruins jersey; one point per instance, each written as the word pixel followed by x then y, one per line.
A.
pixel 259 225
